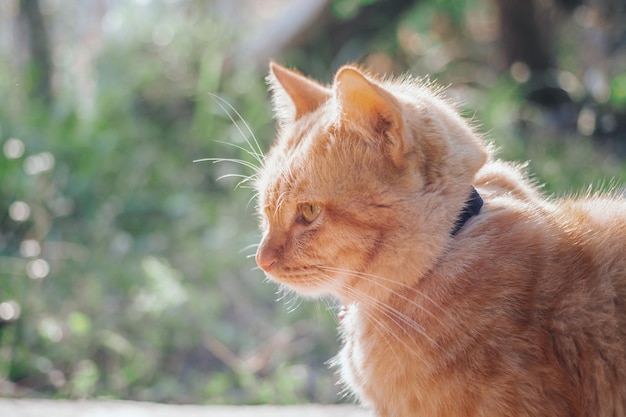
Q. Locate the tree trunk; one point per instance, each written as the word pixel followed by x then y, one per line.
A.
pixel 39 49
pixel 524 38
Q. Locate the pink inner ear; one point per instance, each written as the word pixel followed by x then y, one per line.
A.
pixel 306 95
pixel 361 100
pixel 365 104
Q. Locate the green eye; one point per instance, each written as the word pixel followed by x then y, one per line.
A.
pixel 310 211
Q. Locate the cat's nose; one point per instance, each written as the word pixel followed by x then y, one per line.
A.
pixel 266 257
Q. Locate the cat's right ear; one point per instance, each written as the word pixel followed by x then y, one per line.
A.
pixel 293 94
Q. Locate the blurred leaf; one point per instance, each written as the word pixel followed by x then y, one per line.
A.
pixel 163 290
pixel 618 91
pixel 79 323
pixel 84 379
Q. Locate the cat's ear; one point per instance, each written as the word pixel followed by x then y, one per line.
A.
pixel 367 104
pixel 294 95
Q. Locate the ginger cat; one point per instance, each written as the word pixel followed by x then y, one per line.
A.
pixel 466 292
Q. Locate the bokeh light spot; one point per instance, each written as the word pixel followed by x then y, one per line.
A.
pixel 520 72
pixel 38 269
pixel 10 310
pixel 50 329
pixel 19 211
pixel 36 164
pixel 30 248
pixel 13 148
pixel 586 121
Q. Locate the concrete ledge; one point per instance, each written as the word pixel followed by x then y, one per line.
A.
pixel 64 408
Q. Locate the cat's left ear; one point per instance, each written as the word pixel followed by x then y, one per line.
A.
pixel 294 95
pixel 367 104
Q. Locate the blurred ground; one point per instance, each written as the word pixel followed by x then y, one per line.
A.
pixel 56 408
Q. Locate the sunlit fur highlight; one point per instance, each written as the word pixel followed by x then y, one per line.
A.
pixel 520 314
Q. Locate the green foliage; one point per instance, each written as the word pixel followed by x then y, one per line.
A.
pixel 123 256
pixel 345 9
pixel 618 91
pixel 569 165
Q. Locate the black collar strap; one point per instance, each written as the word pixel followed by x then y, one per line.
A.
pixel 472 208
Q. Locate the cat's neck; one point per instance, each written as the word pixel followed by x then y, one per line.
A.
pixel 420 250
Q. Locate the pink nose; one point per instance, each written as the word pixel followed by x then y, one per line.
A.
pixel 266 257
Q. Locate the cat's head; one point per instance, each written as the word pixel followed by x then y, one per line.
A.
pixel 363 183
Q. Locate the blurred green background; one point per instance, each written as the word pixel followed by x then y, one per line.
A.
pixel 126 269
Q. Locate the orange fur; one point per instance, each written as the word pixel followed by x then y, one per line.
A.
pixel 522 313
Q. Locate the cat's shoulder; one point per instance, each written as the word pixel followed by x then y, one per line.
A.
pixel 515 199
pixel 500 178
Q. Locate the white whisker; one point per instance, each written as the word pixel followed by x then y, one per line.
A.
pixel 245 178
pixel 374 279
pixel 254 197
pixel 253 245
pixel 225 105
pixel 248 151
pixel 383 331
pixel 293 304
pixel 395 316
pixel 233 160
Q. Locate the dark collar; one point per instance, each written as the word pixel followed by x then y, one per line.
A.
pixel 472 208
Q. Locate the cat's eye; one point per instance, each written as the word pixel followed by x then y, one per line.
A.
pixel 310 211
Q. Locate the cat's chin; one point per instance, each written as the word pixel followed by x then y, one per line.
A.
pixel 308 288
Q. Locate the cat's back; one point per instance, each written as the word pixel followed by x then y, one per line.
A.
pixel 589 330
pixel 596 228
pixel 561 239
pixel 551 272
pixel 594 223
